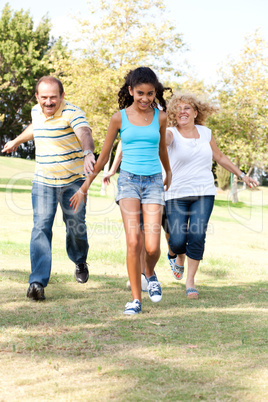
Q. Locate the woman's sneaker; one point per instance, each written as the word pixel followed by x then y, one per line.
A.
pixel 144 283
pixel 133 307
pixel 154 289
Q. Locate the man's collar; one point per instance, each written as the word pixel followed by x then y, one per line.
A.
pixel 60 109
pixel 58 112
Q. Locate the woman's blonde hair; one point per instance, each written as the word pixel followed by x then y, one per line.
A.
pixel 204 109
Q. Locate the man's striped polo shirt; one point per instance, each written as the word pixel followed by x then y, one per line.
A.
pixel 59 156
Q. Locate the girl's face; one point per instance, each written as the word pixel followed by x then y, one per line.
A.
pixel 185 114
pixel 143 95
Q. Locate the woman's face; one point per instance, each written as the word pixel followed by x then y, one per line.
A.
pixel 185 114
pixel 143 95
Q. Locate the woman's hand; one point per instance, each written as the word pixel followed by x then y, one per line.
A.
pixel 167 181
pixel 250 181
pixel 76 199
pixel 107 177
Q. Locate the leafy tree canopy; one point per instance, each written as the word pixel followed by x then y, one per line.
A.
pixel 25 54
pixel 241 128
pixel 117 36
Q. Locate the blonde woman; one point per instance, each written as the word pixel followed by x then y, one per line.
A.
pixel 190 197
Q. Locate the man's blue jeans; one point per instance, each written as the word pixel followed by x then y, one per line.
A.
pixel 45 200
pixel 187 224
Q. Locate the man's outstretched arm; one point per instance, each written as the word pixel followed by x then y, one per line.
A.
pixel 25 136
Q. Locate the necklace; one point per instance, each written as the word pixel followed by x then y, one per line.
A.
pixel 145 118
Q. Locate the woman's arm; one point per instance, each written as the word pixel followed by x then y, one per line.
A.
pixel 163 149
pixel 169 137
pixel 116 163
pixel 114 127
pixel 225 162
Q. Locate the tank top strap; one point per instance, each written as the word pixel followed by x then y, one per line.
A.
pixel 155 121
pixel 125 121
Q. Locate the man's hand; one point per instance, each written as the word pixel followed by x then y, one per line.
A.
pixel 25 136
pixel 89 161
pixel 9 147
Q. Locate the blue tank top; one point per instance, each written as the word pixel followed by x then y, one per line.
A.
pixel 140 146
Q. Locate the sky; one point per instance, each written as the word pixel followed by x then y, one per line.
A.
pixel 213 30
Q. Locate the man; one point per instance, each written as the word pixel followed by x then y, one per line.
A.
pixel 64 148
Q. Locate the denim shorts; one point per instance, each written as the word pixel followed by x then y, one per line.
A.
pixel 147 189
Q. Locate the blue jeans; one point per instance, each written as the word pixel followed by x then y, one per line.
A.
pixel 45 200
pixel 187 224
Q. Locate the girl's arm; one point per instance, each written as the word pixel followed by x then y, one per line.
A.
pixel 116 163
pixel 225 162
pixel 163 149
pixel 114 127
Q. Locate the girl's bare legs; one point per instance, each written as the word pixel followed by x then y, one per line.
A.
pixel 130 211
pixel 152 216
pixel 142 257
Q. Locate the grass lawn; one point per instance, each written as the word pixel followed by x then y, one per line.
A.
pixel 78 346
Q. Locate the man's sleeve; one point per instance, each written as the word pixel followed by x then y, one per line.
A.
pixel 78 119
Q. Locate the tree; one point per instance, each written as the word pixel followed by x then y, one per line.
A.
pixel 120 35
pixel 131 33
pixel 24 58
pixel 241 128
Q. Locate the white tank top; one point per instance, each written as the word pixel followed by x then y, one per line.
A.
pixel 191 165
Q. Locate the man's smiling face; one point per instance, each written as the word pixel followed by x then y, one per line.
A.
pixel 49 97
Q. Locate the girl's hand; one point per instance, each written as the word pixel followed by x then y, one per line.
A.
pixel 76 199
pixel 167 181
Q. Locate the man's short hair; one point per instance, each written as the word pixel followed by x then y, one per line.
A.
pixel 51 80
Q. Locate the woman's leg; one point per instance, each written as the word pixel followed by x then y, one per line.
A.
pixel 180 260
pixel 130 211
pixel 152 217
pixel 199 214
pixel 192 266
pixel 177 211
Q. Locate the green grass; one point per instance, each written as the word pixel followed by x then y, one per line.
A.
pixel 77 345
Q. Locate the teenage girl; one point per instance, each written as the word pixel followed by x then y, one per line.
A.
pixel 142 128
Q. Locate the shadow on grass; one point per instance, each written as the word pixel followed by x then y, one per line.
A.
pixel 86 322
pixel 104 289
pixel 18 276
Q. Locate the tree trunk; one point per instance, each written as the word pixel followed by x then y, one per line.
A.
pixel 234 189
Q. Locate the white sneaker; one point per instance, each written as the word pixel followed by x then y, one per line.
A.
pixel 144 283
pixel 133 307
pixel 154 289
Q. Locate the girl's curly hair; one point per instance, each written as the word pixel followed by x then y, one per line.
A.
pixel 204 109
pixel 141 75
